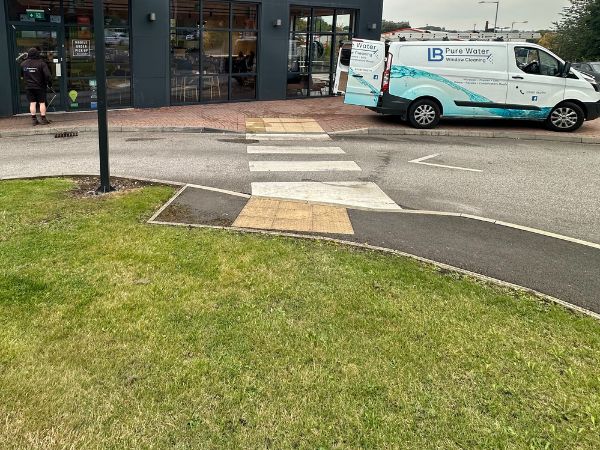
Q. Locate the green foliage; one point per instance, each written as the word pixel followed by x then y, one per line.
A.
pixel 391 25
pixel 578 33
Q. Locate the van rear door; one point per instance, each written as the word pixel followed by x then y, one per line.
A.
pixel 367 65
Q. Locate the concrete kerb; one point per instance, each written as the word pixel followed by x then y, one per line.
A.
pixel 114 129
pixel 468 133
pixel 487 134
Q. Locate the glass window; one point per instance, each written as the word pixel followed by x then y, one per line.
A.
pixel 215 88
pixel 244 52
pixel 243 87
pixel 321 52
pixel 323 20
pixel 82 94
pixel 299 19
pixel 297 85
pixel 184 14
pixel 596 67
pixel 549 65
pixel 319 84
pixel 116 13
pixel 536 62
pixel 44 11
pixel 215 15
pixel 185 65
pixel 80 52
pixel 527 59
pixel 221 54
pixel 118 92
pixel 215 54
pixel 245 16
pixel 117 52
pixel 344 22
pixel 312 55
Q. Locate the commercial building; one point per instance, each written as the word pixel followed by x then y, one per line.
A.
pixel 172 52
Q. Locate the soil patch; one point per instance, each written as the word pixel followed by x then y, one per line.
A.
pixel 86 186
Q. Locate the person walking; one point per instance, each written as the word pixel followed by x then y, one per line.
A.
pixel 37 78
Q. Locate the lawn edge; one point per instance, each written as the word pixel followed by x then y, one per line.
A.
pixel 484 278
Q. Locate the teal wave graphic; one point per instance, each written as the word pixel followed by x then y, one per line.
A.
pixel 411 72
pixel 364 82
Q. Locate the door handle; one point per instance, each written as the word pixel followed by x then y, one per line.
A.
pixel 357 76
pixel 518 77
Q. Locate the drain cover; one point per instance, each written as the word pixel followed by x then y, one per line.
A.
pixel 66 134
pixel 240 141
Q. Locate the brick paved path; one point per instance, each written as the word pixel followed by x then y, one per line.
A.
pixel 330 113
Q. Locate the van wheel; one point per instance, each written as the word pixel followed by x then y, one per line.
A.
pixel 424 114
pixel 566 117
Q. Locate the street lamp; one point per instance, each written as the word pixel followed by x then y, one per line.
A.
pixel 101 93
pixel 512 27
pixel 497 8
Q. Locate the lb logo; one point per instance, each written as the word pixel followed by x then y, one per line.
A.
pixel 435 54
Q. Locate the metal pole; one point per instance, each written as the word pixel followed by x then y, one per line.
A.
pixel 101 93
pixel 496 22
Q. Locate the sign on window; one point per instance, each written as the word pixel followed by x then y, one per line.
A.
pixel 81 48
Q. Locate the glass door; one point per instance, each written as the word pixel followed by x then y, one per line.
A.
pixel 50 43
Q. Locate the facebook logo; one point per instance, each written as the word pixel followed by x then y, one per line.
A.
pixel 435 54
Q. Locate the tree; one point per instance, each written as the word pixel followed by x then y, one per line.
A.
pixel 390 25
pixel 578 33
pixel 549 41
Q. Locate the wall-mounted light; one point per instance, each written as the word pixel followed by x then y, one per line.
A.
pixel 151 17
pixel 372 26
pixel 277 23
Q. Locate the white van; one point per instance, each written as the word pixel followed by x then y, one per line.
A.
pixel 425 81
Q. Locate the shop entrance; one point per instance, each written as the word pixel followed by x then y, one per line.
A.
pixel 49 40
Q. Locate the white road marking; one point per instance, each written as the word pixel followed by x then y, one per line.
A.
pixel 356 195
pixel 288 136
pixel 426 158
pixel 303 166
pixel 283 150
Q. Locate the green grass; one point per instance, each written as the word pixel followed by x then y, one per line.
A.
pixel 118 334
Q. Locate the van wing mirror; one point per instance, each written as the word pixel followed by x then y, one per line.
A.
pixel 567 69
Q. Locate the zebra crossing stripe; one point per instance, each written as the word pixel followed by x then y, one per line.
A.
pixel 288 136
pixel 284 150
pixel 303 166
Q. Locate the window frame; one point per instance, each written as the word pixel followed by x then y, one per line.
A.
pixel 230 30
pixel 310 34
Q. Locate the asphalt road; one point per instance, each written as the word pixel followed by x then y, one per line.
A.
pixel 545 185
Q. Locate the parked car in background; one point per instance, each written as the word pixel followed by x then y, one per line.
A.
pixel 116 38
pixel 589 68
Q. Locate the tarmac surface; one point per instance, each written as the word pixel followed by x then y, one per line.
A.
pixel 551 187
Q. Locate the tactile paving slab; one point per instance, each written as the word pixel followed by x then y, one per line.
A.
pixel 281 215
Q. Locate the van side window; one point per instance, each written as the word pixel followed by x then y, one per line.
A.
pixel 537 62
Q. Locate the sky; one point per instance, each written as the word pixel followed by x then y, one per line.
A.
pixel 463 14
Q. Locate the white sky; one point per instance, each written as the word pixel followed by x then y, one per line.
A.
pixel 463 14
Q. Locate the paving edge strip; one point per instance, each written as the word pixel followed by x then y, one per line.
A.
pixel 573 138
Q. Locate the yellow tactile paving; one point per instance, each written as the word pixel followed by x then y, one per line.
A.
pixel 282 125
pixel 271 214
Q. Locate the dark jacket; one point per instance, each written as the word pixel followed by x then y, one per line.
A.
pixel 36 73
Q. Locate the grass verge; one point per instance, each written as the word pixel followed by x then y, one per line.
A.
pixel 114 333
